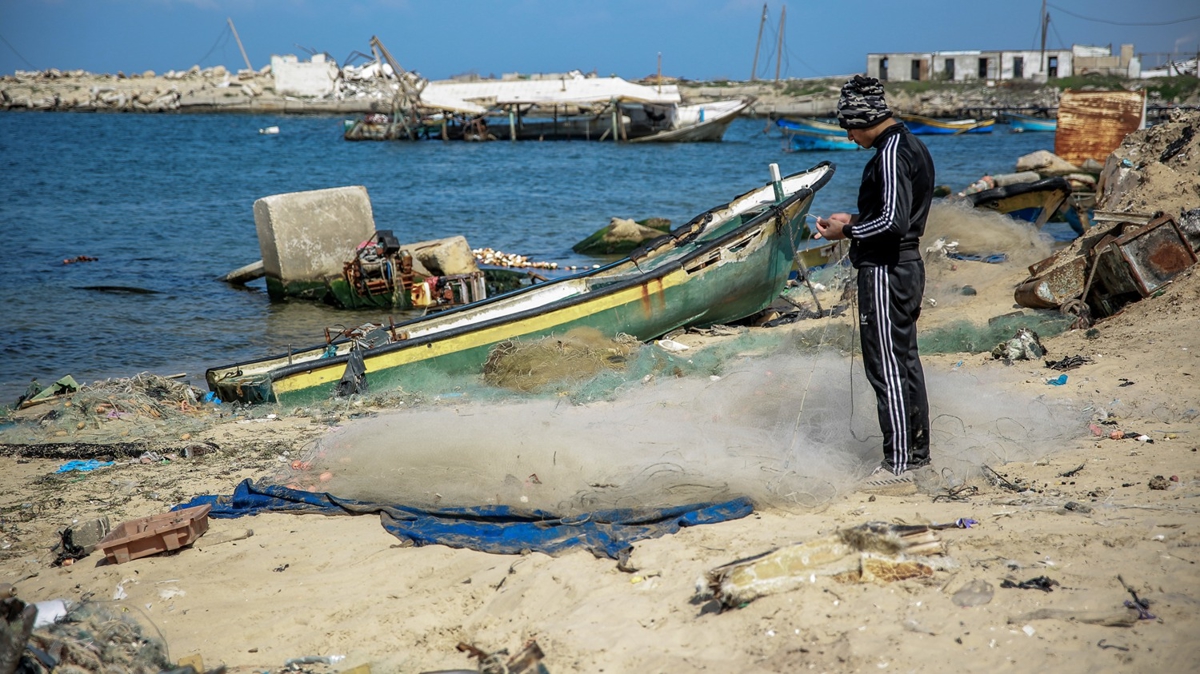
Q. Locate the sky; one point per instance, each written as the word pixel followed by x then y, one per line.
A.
pixel 698 39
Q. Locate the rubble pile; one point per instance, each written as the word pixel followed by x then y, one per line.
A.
pixel 78 90
pixel 1155 169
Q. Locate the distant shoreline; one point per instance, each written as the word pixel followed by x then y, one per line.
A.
pixel 216 90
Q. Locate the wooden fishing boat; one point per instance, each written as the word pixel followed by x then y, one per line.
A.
pixel 725 264
pixel 696 123
pixel 812 135
pixel 808 124
pixel 1023 123
pixel 951 127
pixel 1035 202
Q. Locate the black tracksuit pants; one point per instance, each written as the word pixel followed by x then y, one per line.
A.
pixel 889 303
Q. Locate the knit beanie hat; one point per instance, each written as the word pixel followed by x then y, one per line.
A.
pixel 861 105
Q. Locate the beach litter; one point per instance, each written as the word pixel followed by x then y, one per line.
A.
pixel 528 660
pixel 975 593
pixel 1040 583
pixel 155 534
pixel 83 466
pixel 870 552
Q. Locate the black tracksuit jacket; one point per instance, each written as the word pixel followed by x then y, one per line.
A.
pixel 890 219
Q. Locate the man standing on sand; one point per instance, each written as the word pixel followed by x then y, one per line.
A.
pixel 893 202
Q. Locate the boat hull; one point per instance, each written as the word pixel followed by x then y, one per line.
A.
pixel 707 272
pixel 1022 124
pixel 801 140
pixel 1034 202
pixel 929 126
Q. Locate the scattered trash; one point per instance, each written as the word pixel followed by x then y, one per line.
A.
pixel 1118 618
pixel 1024 345
pixel 874 551
pixel 49 612
pixel 1068 363
pixel 1075 506
pixel 83 466
pixel 1040 583
pixel 1138 604
pixel 1057 381
pixel 155 534
pixel 295 663
pixel 672 345
pixel 1102 644
pixel 1159 483
pixel 80 540
pixel 975 593
pixel 526 661
pixel 1074 471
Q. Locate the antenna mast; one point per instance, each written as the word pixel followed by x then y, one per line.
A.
pixel 1045 21
pixel 239 41
pixel 758 43
pixel 779 49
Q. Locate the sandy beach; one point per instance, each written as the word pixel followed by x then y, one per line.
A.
pixel 1036 466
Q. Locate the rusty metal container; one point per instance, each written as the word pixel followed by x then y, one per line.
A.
pixel 1052 284
pixel 1155 254
pixel 1091 124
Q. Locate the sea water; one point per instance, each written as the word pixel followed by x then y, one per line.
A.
pixel 164 203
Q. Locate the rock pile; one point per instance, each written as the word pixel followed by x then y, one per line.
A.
pixel 78 90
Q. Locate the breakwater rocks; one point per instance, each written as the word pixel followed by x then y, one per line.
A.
pixel 197 89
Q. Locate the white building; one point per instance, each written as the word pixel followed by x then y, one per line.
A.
pixel 1005 65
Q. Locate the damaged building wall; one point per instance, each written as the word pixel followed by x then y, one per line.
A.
pixel 314 79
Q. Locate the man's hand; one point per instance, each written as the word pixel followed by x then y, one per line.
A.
pixel 831 228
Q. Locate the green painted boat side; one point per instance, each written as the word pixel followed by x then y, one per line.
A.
pixel 699 275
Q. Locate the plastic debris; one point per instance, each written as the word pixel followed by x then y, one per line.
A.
pixel 83 466
pixel 975 593
pixel 1057 381
pixel 875 551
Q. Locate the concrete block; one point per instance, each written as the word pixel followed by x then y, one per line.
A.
pixel 444 257
pixel 307 237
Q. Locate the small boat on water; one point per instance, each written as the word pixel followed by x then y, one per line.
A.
pixel 695 123
pixel 1023 123
pixel 725 264
pixel 951 127
pixel 1034 202
pixel 810 135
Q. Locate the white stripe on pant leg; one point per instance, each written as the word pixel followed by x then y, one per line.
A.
pixel 894 387
pixel 880 322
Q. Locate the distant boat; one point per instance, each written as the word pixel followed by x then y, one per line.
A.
pixel 812 135
pixel 952 127
pixel 810 125
pixel 269 131
pixel 1023 123
pixel 694 123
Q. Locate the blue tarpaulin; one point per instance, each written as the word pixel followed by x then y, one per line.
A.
pixel 497 529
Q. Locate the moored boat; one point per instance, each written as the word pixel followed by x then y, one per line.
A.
pixel 929 126
pixel 1023 123
pixel 810 135
pixel 725 264
pixel 1034 202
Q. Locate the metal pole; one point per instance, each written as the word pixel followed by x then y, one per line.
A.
pixel 512 124
pixel 758 43
pixel 779 49
pixel 239 41
pixel 1045 69
pixel 615 117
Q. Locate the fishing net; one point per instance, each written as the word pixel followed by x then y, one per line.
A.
pixel 143 407
pixel 575 356
pixel 95 638
pixel 778 416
